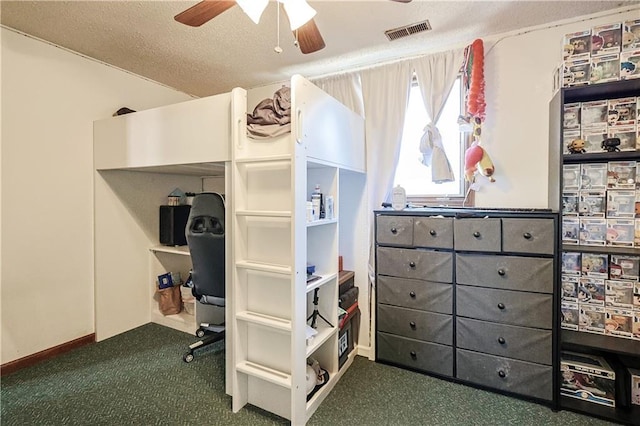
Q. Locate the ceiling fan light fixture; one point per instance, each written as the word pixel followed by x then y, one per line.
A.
pixel 299 12
pixel 253 8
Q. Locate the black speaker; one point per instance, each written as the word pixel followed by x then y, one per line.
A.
pixel 173 221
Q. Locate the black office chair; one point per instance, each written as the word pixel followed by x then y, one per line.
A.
pixel 205 232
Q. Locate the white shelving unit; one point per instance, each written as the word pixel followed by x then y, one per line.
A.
pixel 271 182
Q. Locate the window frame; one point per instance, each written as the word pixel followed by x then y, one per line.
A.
pixel 467 198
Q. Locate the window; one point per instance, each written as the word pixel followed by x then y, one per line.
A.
pixel 415 177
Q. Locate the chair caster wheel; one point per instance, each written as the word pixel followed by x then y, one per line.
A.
pixel 200 332
pixel 188 357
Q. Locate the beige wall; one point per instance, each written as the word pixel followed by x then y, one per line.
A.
pixel 518 72
pixel 50 98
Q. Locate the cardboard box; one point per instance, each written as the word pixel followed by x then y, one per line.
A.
pixel 630 35
pixel 630 65
pixel 577 45
pixel 606 39
pixel 587 377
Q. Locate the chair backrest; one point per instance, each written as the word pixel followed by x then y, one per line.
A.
pixel 205 234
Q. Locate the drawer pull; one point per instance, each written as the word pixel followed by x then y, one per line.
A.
pixel 432 232
pixel 412 325
pixel 501 340
pixel 476 234
pixel 412 264
pixel 394 231
pixel 413 354
pixel 502 374
pixel 501 305
pixel 412 294
pixel 501 272
pixel 527 235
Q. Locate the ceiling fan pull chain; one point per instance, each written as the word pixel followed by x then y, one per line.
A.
pixel 278 49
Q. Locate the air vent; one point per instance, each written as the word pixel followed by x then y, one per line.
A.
pixel 407 30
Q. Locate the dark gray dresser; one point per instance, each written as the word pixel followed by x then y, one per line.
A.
pixel 468 294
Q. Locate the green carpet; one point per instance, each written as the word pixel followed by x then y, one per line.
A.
pixel 139 378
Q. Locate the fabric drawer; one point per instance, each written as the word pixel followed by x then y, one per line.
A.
pixel 505 306
pixel 433 232
pixel 394 230
pixel 508 272
pixel 416 294
pixel 525 378
pixel 528 236
pixel 420 325
pixel 477 234
pixel 430 357
pixel 526 344
pixel 421 264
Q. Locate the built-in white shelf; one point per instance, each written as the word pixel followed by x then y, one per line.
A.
pixel 324 333
pixel 321 222
pixel 322 393
pixel 320 282
pixel 183 250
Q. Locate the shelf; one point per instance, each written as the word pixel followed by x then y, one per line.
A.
pixel 592 92
pixel 265 320
pixel 181 321
pixel 263 213
pixel 183 250
pixel 600 157
pixel 265 373
pixel 324 333
pixel 627 415
pixel 264 267
pixel 320 282
pixel 601 342
pixel 322 393
pixel 601 249
pixel 321 222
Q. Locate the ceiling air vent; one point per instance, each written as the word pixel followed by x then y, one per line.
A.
pixel 407 30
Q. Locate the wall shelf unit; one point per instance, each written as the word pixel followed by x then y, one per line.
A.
pixel 620 352
pixel 272 301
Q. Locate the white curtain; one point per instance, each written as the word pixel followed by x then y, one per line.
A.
pixel 436 75
pixel 385 92
pixel 345 88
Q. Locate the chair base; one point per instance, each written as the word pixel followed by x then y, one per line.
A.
pixel 208 338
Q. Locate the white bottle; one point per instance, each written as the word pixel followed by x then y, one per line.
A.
pixel 309 211
pixel 329 207
pixel 398 198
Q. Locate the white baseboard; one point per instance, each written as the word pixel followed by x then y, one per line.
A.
pixel 366 352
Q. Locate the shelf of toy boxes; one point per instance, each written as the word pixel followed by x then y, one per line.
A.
pixel 621 351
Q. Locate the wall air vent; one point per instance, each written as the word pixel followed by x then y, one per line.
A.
pixel 407 30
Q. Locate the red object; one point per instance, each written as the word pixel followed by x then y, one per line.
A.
pixel 475 99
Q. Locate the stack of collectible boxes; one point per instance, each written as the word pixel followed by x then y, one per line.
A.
pixel 601 54
pixel 597 121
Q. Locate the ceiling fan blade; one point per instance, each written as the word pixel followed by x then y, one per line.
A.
pixel 203 12
pixel 309 38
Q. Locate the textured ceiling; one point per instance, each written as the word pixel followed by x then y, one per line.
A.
pixel 230 50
